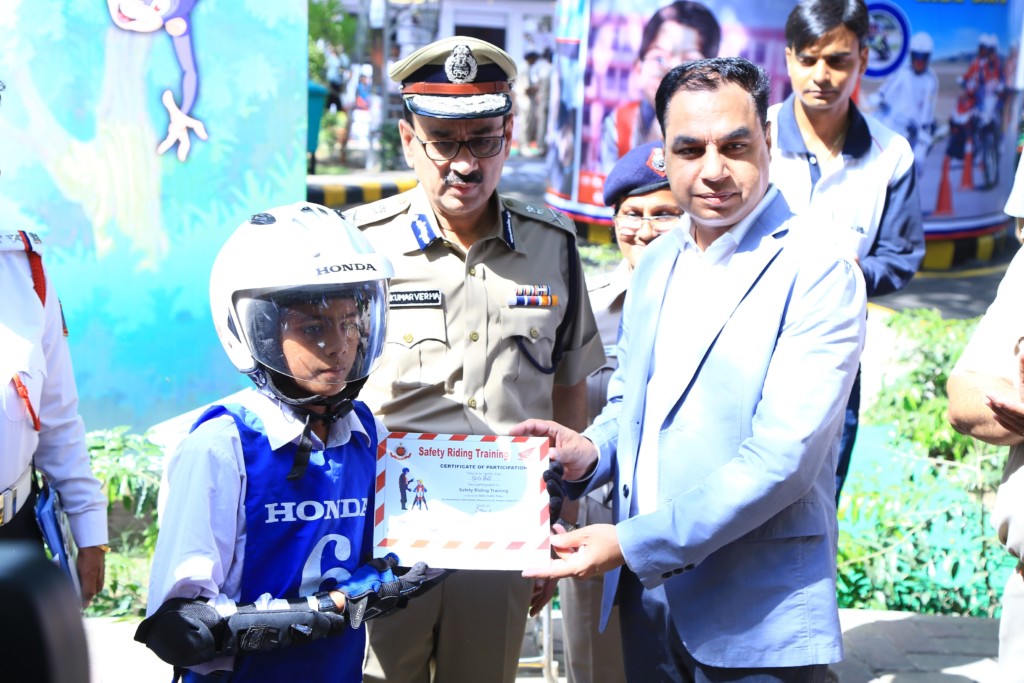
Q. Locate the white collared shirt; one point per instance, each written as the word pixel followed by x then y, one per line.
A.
pixel 688 298
pixel 32 345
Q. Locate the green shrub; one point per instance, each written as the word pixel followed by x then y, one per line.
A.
pixel 330 121
pixel 316 67
pixel 915 535
pixel 915 531
pixel 125 588
pixel 915 403
pixel 129 467
pixel 392 155
pixel 599 258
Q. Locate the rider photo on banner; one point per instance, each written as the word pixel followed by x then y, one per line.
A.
pixel 941 74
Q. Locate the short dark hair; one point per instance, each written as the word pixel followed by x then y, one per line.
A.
pixel 709 74
pixel 812 19
pixel 687 13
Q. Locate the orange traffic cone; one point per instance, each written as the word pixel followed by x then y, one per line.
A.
pixel 967 179
pixel 944 204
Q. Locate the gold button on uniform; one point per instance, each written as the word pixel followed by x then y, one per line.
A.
pixel 534 332
pixel 472 271
pixel 408 338
pixel 475 336
pixel 471 403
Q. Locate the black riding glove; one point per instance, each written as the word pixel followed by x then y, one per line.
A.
pixel 555 482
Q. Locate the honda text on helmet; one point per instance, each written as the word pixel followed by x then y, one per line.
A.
pixel 299 301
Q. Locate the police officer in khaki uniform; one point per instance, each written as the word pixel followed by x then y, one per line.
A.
pixel 489 325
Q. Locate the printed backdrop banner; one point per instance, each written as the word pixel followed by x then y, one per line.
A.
pixel 103 123
pixel 958 108
pixel 959 111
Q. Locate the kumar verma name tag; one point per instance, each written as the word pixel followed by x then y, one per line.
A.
pixel 458 501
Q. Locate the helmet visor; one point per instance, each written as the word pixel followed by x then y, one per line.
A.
pixel 324 337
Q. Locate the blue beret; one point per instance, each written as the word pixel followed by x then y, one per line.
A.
pixel 640 171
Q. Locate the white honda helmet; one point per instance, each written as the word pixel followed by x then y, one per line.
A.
pixel 283 274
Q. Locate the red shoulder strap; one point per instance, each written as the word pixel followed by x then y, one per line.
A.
pixel 35 262
pixel 625 121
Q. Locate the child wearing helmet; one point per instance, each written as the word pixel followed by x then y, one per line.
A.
pixel 262 565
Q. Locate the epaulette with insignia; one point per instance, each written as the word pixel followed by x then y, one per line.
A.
pixel 20 240
pixel 377 211
pixel 544 214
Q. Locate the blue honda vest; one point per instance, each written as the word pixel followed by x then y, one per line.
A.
pixel 302 536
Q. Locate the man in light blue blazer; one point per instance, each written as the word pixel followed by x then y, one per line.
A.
pixel 740 341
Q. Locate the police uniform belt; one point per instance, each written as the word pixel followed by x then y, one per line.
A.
pixel 12 499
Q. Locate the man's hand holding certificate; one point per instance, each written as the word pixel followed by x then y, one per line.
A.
pixel 463 502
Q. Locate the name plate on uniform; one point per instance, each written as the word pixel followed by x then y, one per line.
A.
pixel 458 501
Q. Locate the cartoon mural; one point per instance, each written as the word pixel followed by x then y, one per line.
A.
pixel 174 16
pixel 131 232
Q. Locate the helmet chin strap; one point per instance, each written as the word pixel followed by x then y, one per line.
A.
pixel 337 406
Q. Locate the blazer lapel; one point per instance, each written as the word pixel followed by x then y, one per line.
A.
pixel 755 254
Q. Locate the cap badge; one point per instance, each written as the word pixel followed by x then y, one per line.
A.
pixel 460 67
pixel 656 162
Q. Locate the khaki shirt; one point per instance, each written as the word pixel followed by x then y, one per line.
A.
pixel 607 294
pixel 452 364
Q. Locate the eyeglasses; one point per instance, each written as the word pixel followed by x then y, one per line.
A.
pixel 443 150
pixel 629 224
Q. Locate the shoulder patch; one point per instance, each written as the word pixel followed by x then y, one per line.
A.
pixel 544 214
pixel 377 211
pixel 14 240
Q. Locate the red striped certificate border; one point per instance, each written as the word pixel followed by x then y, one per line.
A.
pixel 482 502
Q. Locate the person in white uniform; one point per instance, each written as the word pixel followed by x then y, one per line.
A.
pixel 1015 202
pixel 40 400
pixel 906 101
